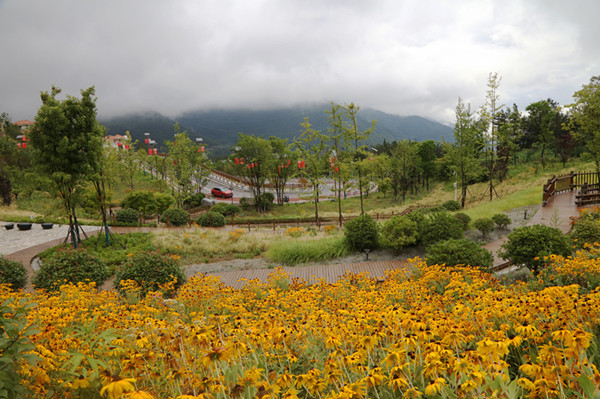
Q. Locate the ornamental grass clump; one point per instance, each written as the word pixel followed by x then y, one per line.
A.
pixel 68 265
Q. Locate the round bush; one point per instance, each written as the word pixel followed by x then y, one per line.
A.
pixel 127 217
pixel 13 273
pixel 399 232
pixel 529 245
pixel 501 220
pixel 211 219
pixel 68 265
pixel 456 252
pixel 225 209
pixel 175 217
pixel 440 226
pixel 194 201
pixel 361 233
pixel 464 218
pixel 451 205
pixel 150 270
pixel 585 231
pixel 142 201
pixel 484 225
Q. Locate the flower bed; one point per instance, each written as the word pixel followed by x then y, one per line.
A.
pixel 438 332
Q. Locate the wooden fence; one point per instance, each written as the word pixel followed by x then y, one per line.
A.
pixel 568 182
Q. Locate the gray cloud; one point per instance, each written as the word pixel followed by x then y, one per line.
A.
pixel 409 57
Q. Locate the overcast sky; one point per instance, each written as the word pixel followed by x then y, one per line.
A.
pixel 405 57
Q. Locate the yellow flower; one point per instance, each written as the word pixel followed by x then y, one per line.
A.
pixel 435 387
pixel 117 388
pixel 139 395
pixel 81 382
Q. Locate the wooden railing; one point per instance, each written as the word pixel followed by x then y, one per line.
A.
pixel 568 182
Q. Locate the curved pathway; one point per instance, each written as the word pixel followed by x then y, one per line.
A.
pixel 558 213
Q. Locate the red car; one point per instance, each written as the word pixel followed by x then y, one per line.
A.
pixel 218 192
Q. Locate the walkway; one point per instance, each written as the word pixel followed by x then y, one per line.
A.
pixel 330 273
pixel 558 213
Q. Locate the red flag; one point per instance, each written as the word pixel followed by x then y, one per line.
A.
pixel 146 141
pixel 149 151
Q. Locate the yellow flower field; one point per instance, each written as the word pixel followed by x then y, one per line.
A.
pixel 433 333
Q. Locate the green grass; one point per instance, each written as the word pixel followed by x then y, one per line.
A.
pixel 529 196
pixel 115 254
pixel 293 252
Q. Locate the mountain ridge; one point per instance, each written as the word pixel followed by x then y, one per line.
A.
pixel 219 128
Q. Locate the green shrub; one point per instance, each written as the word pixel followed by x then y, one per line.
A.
pixel 193 201
pixel 440 226
pixel 175 217
pixel 529 245
pixel 13 273
pixel 293 252
pixel 501 220
pixel 150 270
pixel 451 205
pixel 142 201
pixel 455 252
pixel 163 202
pixel 585 231
pixel 127 217
pixel 68 265
pixel 399 232
pixel 211 219
pixel 225 209
pixel 361 233
pixel 464 218
pixel 484 225
pixel 245 202
pixel 266 201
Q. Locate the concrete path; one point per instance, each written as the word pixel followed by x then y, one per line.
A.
pixel 557 213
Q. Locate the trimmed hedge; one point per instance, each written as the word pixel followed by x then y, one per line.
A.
pixel 151 270
pixel 456 252
pixel 211 219
pixel 362 233
pixel 175 217
pixel 13 273
pixel 68 265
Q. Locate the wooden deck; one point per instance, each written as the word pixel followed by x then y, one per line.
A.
pixel 311 274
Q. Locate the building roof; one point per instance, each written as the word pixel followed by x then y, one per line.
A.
pixel 24 123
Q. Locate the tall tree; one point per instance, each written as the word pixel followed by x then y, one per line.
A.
pixel 585 112
pixel 341 143
pixel 253 157
pixel 67 146
pixel 358 137
pixel 407 163
pixel 283 166
pixel 538 124
pixel 489 126
pixel 428 154
pixel 189 166
pixel 463 154
pixel 314 151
